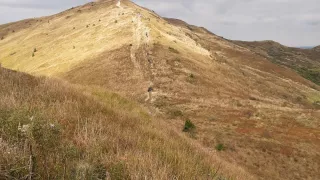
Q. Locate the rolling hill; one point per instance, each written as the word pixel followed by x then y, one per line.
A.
pixel 305 62
pixel 252 106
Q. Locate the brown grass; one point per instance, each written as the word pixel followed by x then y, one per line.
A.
pixel 95 134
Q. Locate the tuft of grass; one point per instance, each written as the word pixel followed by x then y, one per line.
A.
pixel 174 113
pixel 188 126
pixel 171 49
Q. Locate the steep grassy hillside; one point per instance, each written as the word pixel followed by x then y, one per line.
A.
pixel 306 62
pixel 229 100
pixel 73 133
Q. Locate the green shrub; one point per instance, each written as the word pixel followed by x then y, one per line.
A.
pixel 220 147
pixel 188 126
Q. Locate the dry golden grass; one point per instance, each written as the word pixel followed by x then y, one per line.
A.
pixel 87 133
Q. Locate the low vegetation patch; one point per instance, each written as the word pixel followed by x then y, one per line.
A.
pixel 188 126
pixel 310 74
pixel 220 147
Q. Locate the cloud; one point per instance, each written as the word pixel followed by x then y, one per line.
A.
pixel 291 22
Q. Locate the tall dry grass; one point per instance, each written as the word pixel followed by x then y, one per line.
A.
pixel 88 133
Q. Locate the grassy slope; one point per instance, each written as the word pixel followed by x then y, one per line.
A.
pixel 81 134
pixel 306 62
pixel 262 113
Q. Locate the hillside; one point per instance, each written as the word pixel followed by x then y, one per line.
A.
pixel 306 62
pixel 76 133
pixel 248 111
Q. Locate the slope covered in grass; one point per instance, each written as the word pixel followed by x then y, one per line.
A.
pixel 78 134
pixel 246 109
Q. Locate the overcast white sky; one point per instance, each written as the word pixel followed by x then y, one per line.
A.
pixel 290 22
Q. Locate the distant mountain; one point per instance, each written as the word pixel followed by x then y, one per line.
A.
pixel 305 47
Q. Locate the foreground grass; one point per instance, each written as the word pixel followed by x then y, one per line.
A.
pixel 77 134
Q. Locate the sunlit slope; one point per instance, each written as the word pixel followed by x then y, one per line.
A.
pixel 55 44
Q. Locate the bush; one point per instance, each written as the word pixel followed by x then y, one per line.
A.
pixel 35 50
pixel 116 21
pixel 188 126
pixel 220 147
